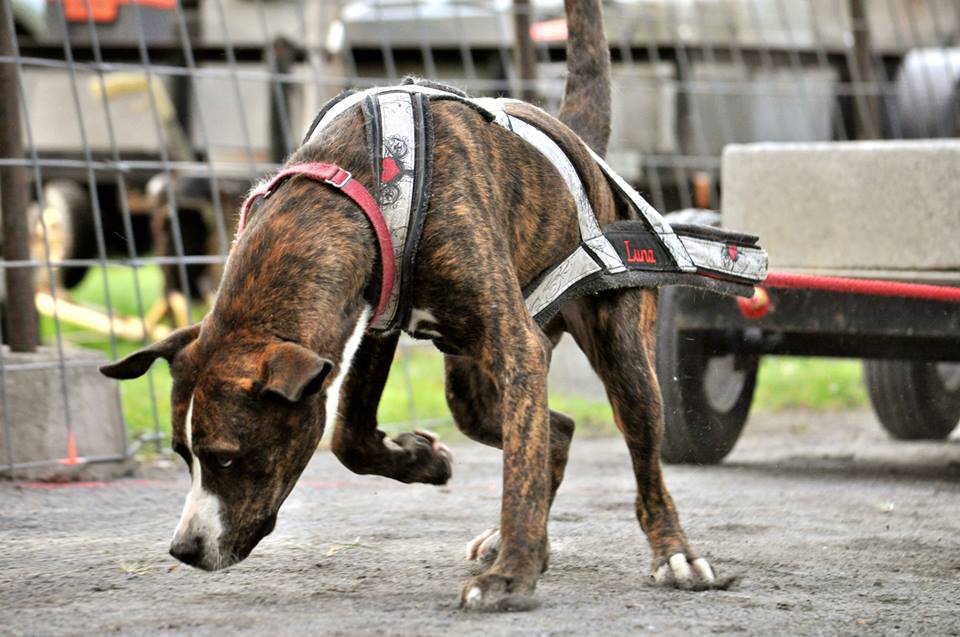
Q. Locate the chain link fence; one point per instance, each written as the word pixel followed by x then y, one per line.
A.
pixel 132 129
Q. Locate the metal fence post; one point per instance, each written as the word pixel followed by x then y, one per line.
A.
pixel 21 313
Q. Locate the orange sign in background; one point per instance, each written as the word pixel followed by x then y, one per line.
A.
pixel 105 10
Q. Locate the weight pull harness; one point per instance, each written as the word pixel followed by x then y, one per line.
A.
pixel 643 252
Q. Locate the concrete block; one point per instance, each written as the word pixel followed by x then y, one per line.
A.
pixel 730 103
pixel 898 25
pixel 36 431
pixel 233 106
pixel 644 108
pixel 644 111
pixel 894 24
pixel 232 109
pixel 245 23
pixel 848 207
pixel 57 125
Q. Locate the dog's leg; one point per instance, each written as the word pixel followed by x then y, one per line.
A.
pixel 473 400
pixel 509 384
pixel 360 446
pixel 616 332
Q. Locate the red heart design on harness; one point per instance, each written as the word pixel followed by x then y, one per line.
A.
pixel 388 170
pixel 732 251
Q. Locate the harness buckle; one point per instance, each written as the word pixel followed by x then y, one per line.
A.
pixel 345 176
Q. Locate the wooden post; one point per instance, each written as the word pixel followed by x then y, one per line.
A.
pixel 283 54
pixel 21 327
pixel 862 73
pixel 524 56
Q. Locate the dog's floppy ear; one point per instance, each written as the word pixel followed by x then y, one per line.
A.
pixel 137 364
pixel 292 371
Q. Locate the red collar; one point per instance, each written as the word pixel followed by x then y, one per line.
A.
pixel 342 180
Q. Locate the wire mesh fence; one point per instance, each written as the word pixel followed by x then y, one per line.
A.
pixel 132 130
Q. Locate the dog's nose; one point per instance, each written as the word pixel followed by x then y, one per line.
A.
pixel 187 549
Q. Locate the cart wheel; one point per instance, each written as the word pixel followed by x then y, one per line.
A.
pixel 706 398
pixel 914 401
pixel 70 230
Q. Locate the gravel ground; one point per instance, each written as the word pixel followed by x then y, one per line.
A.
pixel 832 528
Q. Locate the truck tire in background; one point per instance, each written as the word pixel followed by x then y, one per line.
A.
pixel 914 400
pixel 70 230
pixel 926 94
pixel 706 397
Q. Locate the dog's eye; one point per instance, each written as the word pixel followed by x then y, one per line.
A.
pixel 224 462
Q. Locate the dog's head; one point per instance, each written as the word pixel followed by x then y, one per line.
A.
pixel 248 413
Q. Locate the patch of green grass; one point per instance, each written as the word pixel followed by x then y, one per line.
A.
pixel 809 383
pixel 415 389
pixel 122 283
pixel 421 369
pixel 593 417
pixel 136 395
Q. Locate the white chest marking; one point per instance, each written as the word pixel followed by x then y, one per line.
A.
pixel 349 349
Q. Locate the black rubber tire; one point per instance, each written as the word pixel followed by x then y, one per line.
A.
pixel 77 232
pixel 196 238
pixel 699 429
pixel 913 400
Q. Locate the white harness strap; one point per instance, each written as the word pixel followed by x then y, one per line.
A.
pixel 354 99
pixel 746 262
pixel 576 267
pixel 589 228
pixel 399 152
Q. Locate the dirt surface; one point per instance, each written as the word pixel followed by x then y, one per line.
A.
pixel 832 528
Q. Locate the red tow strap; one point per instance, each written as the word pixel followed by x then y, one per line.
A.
pixel 757 306
pixel 342 180
pixel 863 286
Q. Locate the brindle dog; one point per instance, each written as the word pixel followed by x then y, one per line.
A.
pixel 254 383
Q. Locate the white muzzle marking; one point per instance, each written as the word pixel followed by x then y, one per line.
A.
pixel 201 511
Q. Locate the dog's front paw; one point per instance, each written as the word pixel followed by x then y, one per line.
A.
pixel 430 462
pixel 498 593
pixel 683 571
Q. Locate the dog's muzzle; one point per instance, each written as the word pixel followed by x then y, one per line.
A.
pixel 195 550
pixel 189 549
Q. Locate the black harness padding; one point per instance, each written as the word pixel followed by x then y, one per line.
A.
pixel 638 247
pixel 371 123
pixel 649 265
pixel 440 86
pixel 601 282
pixel 423 178
pixel 716 234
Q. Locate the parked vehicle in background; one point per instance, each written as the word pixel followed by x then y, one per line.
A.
pixel 231 84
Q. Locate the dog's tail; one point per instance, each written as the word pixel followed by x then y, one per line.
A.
pixel 586 100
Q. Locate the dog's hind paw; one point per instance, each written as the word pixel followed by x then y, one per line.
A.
pixel 682 571
pixel 431 461
pixel 497 593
